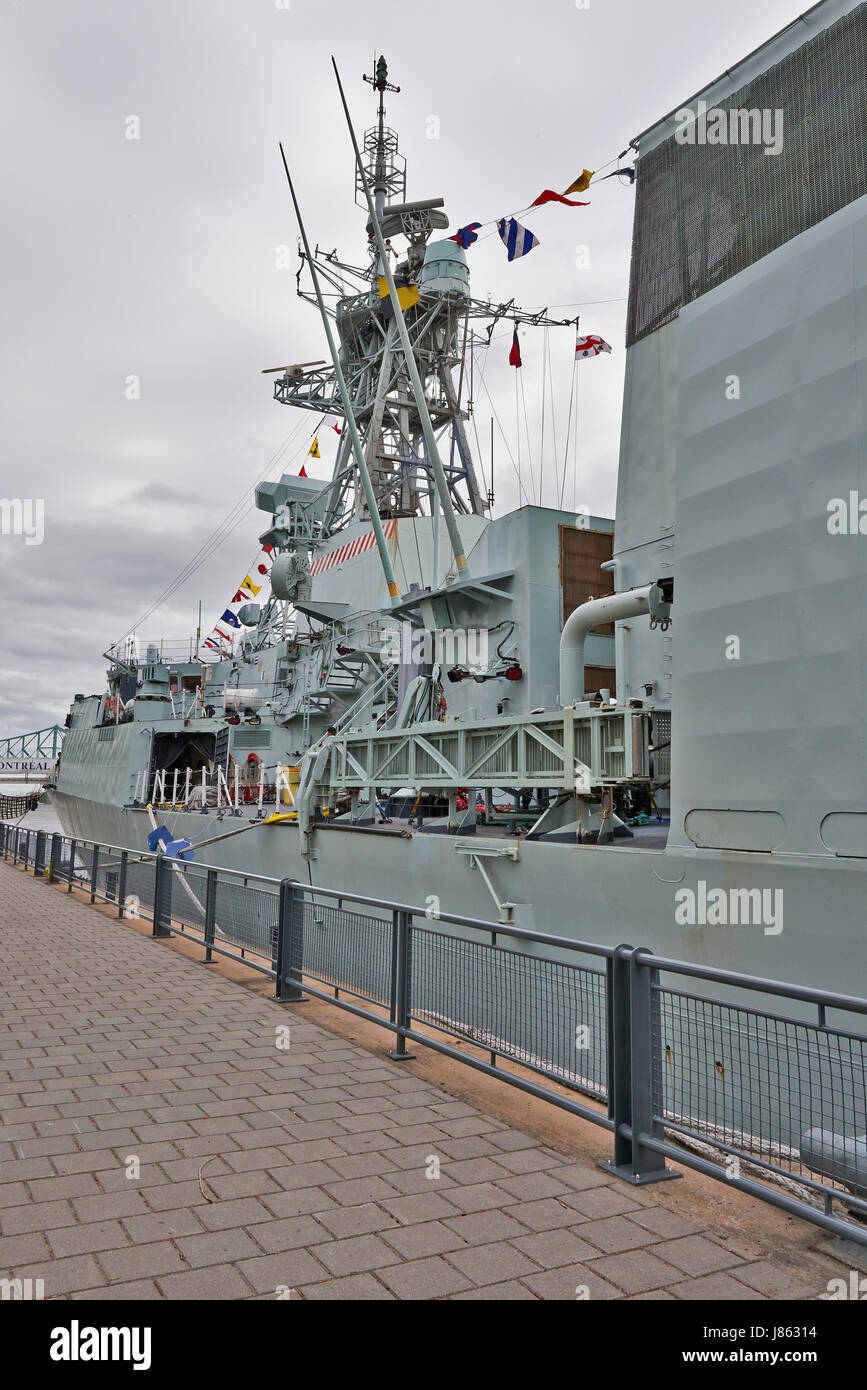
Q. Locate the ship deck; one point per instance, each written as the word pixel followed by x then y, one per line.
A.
pixel 307 1169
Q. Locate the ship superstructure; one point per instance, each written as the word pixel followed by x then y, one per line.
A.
pixel 656 732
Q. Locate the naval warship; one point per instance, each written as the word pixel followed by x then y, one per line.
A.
pixel 650 730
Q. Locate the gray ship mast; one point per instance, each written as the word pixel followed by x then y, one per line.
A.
pixel 373 357
pixel 433 283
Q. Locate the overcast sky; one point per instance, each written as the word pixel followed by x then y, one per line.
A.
pixel 157 257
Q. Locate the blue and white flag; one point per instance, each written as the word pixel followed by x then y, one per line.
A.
pixel 516 239
pixel 229 617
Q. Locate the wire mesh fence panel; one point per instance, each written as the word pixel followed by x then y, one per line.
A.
pixel 62 853
pixel 350 950
pixel 139 887
pixel 548 1014
pixel 789 1092
pixel 244 914
pixel 107 882
pixel 189 890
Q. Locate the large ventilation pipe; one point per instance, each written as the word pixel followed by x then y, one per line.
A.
pixel 650 598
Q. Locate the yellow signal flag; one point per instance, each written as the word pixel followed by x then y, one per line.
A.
pixel 581 184
pixel 313 451
pixel 407 295
pixel 247 583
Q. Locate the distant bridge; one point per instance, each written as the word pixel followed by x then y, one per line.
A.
pixel 29 753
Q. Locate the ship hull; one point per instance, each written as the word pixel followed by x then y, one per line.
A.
pixel 607 895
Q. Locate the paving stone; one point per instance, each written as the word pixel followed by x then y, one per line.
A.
pixel 425 1238
pixel 352 1191
pixel 563 1284
pixel 581 1176
pixel 15 1250
pixel 218 1247
pixel 473 1147
pixel 357 1288
pixel 13 1194
pixel 483 1196
pixel 530 1187
pixel 545 1215
pixel 135 1291
pixel 469 1171
pixel 355 1221
pixel 87 1240
pixel 509 1291
pixel 424 1206
pixel 636 1271
pixel 289 1234
pixel 615 1233
pixel 695 1255
pixel 72 1185
pixel 244 1211
pixel 715 1288
pixel 359 1166
pixel 598 1202
pixel 355 1254
pixel 302 1174
pixel 299 1202
pixel 111 1205
pixel 429 1278
pixel 142 1261
pixel 663 1223
pixel 37 1216
pixel 287 1269
pixel 164 1225
pixel 526 1161
pixel 232 1185
pixel 64 1276
pixel 216 1282
pixel 781 1281
pixel 481 1227
pixel 552 1249
pixel 486 1264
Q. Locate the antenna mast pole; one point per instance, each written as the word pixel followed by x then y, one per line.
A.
pixel 412 367
pixel 360 463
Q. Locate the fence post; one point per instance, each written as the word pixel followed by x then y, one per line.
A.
pixel 401 1001
pixel 55 845
pixel 121 884
pixel 94 870
pixel 642 1165
pixel 618 1049
pixel 39 856
pixel 210 913
pixel 15 838
pixel 289 957
pixel 162 895
pixel 71 875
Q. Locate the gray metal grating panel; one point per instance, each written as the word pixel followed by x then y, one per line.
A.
pixel 705 212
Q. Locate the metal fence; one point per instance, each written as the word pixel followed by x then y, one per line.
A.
pixel 756 1082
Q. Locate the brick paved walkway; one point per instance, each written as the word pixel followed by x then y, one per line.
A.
pixel 114 1048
